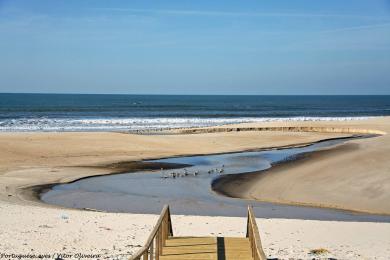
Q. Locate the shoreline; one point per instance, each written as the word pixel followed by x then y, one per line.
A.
pixel 32 192
pixel 28 159
pixel 35 192
pixel 165 125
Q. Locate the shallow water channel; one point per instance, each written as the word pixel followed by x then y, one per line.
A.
pixel 190 191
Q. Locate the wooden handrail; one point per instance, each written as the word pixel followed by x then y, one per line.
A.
pixel 253 234
pixel 154 244
pixel 163 230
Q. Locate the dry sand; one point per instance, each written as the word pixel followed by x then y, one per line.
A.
pixel 37 158
pixel 40 230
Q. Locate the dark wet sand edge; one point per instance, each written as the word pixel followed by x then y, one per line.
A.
pixel 236 186
pixel 33 193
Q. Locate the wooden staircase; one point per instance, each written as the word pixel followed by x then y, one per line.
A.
pixel 215 248
pixel 161 244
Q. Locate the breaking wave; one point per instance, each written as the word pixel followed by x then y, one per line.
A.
pixel 133 124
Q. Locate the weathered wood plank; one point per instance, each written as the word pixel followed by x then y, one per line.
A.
pixel 213 248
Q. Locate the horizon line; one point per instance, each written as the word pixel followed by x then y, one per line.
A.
pixel 134 94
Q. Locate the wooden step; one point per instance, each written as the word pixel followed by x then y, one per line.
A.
pixel 215 248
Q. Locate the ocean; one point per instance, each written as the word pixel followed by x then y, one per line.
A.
pixel 85 112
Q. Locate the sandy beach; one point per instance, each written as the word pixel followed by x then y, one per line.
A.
pixel 194 130
pixel 354 177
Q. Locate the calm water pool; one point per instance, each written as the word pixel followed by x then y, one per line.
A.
pixel 147 191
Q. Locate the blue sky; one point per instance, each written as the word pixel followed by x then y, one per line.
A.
pixel 195 47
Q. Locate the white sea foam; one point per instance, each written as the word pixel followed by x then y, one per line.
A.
pixel 131 124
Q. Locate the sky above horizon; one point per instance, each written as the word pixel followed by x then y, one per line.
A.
pixel 195 47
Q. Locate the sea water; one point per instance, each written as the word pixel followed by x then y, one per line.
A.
pixel 76 112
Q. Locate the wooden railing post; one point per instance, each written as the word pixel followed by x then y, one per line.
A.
pixel 254 236
pixel 151 251
pixel 158 245
pixel 145 256
pixel 153 247
pixel 163 230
